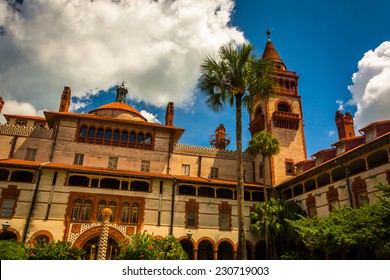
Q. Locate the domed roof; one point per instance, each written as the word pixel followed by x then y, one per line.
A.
pixel 118 110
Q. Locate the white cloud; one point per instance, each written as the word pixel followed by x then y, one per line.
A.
pixel 341 105
pixel 156 47
pixel 150 117
pixel 371 86
pixel 19 108
pixel 331 133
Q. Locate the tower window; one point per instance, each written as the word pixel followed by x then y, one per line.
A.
pixel 284 107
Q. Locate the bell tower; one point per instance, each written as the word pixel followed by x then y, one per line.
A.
pixel 280 115
pixel 65 100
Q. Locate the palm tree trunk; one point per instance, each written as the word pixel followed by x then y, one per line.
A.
pixel 240 182
pixel 266 210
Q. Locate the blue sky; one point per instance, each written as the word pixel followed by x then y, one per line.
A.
pixel 156 48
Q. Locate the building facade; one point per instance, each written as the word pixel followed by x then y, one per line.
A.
pixel 59 171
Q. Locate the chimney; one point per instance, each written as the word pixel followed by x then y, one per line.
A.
pixel 1 103
pixel 219 139
pixel 169 114
pixel 344 123
pixel 65 100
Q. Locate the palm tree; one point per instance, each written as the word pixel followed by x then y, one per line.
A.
pixel 237 77
pixel 265 144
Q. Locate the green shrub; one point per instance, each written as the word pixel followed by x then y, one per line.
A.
pixel 145 247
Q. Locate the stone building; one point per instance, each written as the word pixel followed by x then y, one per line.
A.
pixel 59 171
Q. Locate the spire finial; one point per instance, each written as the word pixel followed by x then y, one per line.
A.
pixel 268 34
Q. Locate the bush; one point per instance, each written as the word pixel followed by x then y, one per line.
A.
pixel 55 250
pixel 12 250
pixel 145 247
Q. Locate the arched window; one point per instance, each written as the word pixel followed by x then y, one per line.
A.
pixel 133 138
pixel 101 206
pixel 124 138
pixel 76 211
pixel 91 135
pixel 99 136
pixel 107 137
pixel 82 134
pixel 148 139
pixel 87 210
pixel 140 139
pixel 116 138
pixel 112 206
pixel 134 213
pixel 283 107
pixel 125 216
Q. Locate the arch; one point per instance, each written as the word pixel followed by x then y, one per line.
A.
pixel 11 233
pixel 205 248
pixel 188 246
pixel 257 196
pixel 206 191
pixel 249 250
pixel 377 158
pixel 310 185
pixel 77 180
pixel 338 173
pixel 258 111
pixel 283 106
pixel 148 139
pixel 224 193
pixel 357 166
pixel 91 134
pixel 99 136
pixel 107 137
pixel 22 176
pixel 4 174
pixel 40 233
pixel 110 183
pixel 225 250
pixel 140 186
pixel 323 179
pixel 82 133
pixel 298 190
pixel 95 231
pixel 260 250
pixel 187 190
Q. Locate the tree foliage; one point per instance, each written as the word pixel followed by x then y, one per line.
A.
pixel 12 250
pixel 360 231
pixel 144 246
pixel 54 250
pixel 272 218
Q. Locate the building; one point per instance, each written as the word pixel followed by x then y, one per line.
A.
pixel 59 171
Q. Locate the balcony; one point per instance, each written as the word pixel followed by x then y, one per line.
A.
pixel 257 124
pixel 286 120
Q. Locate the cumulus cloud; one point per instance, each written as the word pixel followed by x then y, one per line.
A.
pixel 150 117
pixel 156 47
pixel 371 86
pixel 20 108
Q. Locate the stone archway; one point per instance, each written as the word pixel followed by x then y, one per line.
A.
pixel 205 249
pixel 89 240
